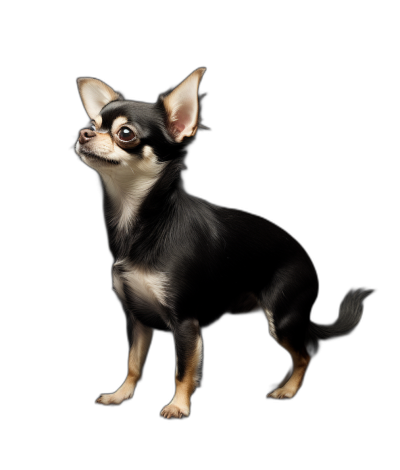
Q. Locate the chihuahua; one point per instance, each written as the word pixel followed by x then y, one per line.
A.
pixel 182 262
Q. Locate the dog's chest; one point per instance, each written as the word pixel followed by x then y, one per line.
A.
pixel 132 281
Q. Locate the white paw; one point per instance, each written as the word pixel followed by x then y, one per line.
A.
pixel 174 412
pixel 282 393
pixel 123 393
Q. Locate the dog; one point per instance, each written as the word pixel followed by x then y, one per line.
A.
pixel 182 262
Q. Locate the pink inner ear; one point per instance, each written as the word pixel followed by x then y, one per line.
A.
pixel 182 119
pixel 179 127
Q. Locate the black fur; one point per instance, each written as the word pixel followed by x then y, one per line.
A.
pixel 217 260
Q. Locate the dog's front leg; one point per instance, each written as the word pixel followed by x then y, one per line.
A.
pixel 140 339
pixel 189 355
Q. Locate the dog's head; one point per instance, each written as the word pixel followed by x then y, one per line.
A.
pixel 128 135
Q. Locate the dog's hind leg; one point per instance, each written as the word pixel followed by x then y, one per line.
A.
pixel 287 305
pixel 300 363
pixel 189 359
pixel 140 339
pixel 295 345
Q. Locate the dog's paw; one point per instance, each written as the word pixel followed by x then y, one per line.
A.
pixel 283 392
pixel 115 398
pixel 174 411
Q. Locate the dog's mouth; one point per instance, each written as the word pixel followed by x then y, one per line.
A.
pixel 93 156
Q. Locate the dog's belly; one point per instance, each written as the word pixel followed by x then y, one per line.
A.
pixel 143 292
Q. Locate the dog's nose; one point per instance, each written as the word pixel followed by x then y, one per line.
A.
pixel 85 135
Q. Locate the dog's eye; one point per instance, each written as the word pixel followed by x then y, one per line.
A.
pixel 126 135
pixel 93 127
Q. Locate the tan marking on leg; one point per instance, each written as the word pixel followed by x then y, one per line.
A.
pixel 300 363
pixel 137 357
pixel 180 404
pixel 286 377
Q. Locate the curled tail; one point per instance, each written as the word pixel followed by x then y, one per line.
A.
pixel 350 312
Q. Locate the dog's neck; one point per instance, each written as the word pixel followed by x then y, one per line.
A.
pixel 134 198
pixel 126 194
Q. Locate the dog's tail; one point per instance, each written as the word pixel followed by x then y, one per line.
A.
pixel 350 312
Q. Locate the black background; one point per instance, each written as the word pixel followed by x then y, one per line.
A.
pixel 299 133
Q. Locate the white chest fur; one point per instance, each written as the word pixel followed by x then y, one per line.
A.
pixel 149 286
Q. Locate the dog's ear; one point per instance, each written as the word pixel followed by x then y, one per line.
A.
pixel 182 106
pixel 95 94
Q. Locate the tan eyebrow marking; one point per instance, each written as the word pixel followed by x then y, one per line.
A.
pixel 118 122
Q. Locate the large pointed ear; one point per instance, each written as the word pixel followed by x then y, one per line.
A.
pixel 182 106
pixel 95 94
